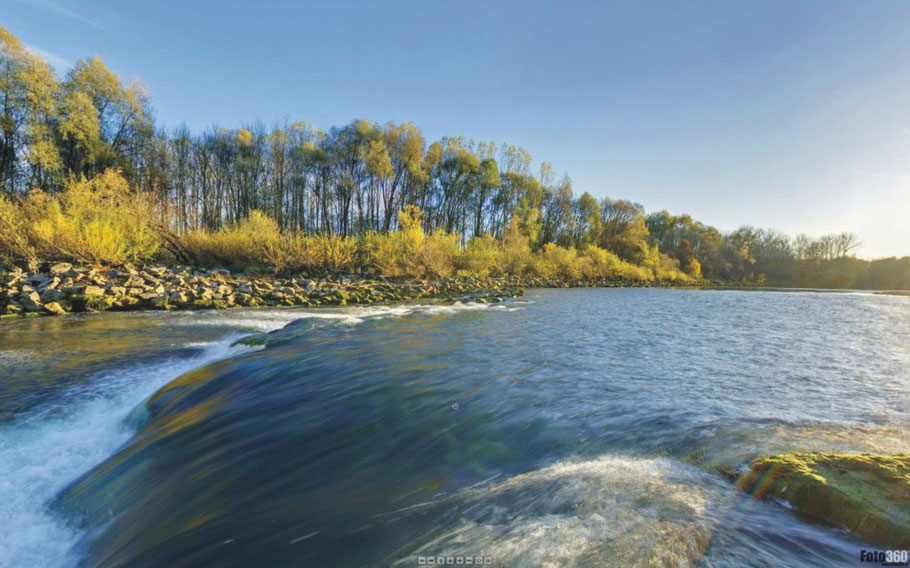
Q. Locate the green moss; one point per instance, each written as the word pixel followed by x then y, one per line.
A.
pixel 866 494
pixel 254 340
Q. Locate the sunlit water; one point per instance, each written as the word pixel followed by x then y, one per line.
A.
pixel 569 428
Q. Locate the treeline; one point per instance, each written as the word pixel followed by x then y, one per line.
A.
pixel 354 181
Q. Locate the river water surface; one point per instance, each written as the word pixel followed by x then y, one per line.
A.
pixel 593 427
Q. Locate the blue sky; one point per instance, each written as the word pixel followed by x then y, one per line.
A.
pixel 792 115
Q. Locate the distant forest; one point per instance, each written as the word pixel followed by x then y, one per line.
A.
pixel 356 179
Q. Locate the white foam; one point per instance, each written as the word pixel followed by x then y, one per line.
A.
pixel 269 319
pixel 41 453
pixel 609 511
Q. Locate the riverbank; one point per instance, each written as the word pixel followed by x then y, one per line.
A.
pixel 61 288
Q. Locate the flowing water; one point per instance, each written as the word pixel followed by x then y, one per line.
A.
pixel 594 427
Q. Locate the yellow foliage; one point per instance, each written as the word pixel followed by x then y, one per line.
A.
pixel 337 253
pixel 440 253
pixel 96 220
pixel 481 257
pixel 14 230
pixel 254 240
pixel 555 261
pixel 400 253
pixel 516 251
pixel 410 219
pixel 693 268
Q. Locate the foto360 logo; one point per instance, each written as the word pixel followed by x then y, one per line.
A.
pixel 886 557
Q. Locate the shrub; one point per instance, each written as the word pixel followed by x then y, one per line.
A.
pixel 554 261
pixel 253 241
pixel 440 252
pixel 338 253
pixel 400 253
pixel 15 239
pixel 96 220
pixel 516 252
pixel 481 257
pixel 693 268
pixel 322 252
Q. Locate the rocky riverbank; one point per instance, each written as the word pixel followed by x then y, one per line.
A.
pixel 60 288
pixel 56 289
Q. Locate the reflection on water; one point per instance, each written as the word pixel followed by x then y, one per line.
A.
pixel 576 428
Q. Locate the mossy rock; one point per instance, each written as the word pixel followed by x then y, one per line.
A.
pixel 254 340
pixel 866 494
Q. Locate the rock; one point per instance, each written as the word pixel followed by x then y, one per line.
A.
pixel 93 291
pixel 254 340
pixel 54 308
pixel 60 268
pixel 37 280
pixel 869 495
pixel 11 309
pixel 49 283
pixel 178 297
pixel 52 295
pixel 159 303
pixel 30 301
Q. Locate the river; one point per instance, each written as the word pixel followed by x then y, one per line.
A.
pixel 585 427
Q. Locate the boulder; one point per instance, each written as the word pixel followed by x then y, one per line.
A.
pixel 178 297
pixel 93 291
pixel 159 303
pixel 30 301
pixel 866 494
pixel 60 268
pixel 52 295
pixel 54 308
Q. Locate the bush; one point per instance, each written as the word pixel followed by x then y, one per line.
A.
pixel 253 241
pixel 323 252
pixel 14 231
pixel 400 253
pixel 554 261
pixel 481 257
pixel 101 220
pixel 516 252
pixel 440 252
pixel 96 220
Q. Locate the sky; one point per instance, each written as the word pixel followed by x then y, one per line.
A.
pixel 790 115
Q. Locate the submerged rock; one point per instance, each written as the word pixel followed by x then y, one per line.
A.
pixel 866 494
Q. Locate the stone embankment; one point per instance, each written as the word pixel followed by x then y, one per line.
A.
pixel 60 288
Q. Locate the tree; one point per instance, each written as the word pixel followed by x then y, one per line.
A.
pixel 29 89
